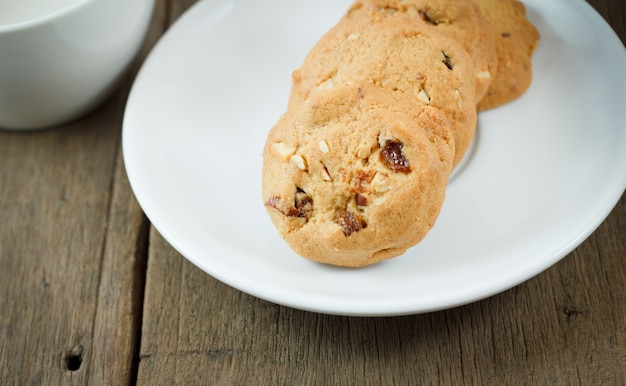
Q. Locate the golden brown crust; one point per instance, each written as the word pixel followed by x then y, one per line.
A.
pixel 357 174
pixel 460 20
pixel 516 40
pixel 399 54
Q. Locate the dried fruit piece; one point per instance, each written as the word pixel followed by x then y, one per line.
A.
pixel 362 178
pixel 349 222
pixel 303 201
pixel 273 202
pixel 426 17
pixel 361 200
pixel 394 157
pixel 447 61
pixel 302 205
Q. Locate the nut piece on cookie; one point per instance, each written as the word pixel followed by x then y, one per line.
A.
pixel 283 150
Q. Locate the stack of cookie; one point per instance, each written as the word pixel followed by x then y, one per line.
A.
pixel 381 111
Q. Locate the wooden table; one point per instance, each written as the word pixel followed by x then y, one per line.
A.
pixel 90 293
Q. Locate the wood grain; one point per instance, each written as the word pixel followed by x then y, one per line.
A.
pixel 70 250
pixel 54 200
pixel 117 323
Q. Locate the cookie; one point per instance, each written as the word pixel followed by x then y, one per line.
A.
pixel 516 40
pixel 357 174
pixel 398 54
pixel 460 20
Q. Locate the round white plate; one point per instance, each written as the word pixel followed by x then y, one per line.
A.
pixel 543 173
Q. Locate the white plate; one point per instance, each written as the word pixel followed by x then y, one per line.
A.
pixel 543 173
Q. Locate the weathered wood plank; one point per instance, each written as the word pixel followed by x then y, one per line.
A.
pixel 54 200
pixel 117 324
pixel 68 252
pixel 159 334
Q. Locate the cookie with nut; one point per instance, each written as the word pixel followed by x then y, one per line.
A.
pixel 369 178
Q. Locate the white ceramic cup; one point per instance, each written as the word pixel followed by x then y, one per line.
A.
pixel 61 58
